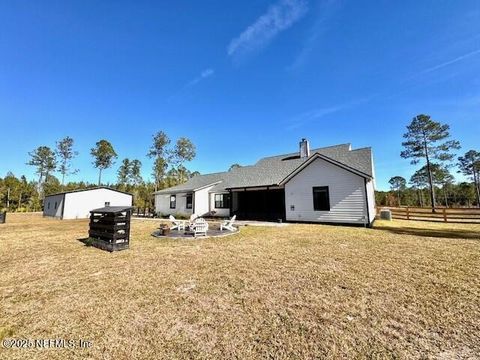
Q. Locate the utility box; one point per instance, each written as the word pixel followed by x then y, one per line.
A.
pixel 385 214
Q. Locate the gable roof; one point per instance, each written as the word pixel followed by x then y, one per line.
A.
pixel 316 156
pixel 88 189
pixel 273 170
pixel 195 183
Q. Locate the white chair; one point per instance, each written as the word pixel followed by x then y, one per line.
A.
pixel 191 221
pixel 176 224
pixel 192 218
pixel 199 227
pixel 228 224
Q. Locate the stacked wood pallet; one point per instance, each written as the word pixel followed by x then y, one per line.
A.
pixel 110 227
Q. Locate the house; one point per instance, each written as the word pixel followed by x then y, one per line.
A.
pixel 332 184
pixel 77 204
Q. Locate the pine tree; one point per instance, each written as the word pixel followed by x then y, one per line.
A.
pixel 43 158
pixel 123 174
pixel 104 157
pixel 398 183
pixel 426 140
pixel 159 152
pixel 469 165
pixel 64 151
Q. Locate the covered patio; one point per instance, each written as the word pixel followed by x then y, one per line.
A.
pixel 263 204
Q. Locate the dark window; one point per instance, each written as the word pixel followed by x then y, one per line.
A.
pixel 107 203
pixel 321 198
pixel 189 201
pixel 48 205
pixel 55 204
pixel 222 201
pixel 173 201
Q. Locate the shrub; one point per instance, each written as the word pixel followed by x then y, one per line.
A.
pixel 182 216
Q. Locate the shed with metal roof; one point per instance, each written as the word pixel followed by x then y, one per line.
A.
pixel 77 204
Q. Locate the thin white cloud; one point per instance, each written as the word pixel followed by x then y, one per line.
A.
pixel 203 75
pixel 417 80
pixel 325 10
pixel 450 62
pixel 316 114
pixel 278 18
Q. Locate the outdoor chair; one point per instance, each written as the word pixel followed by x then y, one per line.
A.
pixel 228 224
pixel 176 224
pixel 199 227
pixel 192 218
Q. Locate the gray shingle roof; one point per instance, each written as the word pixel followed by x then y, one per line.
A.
pixel 196 182
pixel 272 170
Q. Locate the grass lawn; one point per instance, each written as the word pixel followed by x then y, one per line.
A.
pixel 401 290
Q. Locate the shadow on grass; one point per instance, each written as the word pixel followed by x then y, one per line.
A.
pixel 435 233
pixel 86 241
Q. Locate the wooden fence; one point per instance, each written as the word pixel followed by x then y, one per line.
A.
pixel 453 215
pixel 143 212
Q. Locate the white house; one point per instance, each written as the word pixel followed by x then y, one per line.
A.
pixel 78 203
pixel 333 184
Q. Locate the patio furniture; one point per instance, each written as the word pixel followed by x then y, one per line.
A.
pixel 164 230
pixel 192 218
pixel 176 224
pixel 199 227
pixel 228 224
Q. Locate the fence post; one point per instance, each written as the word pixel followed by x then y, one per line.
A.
pixel 444 214
pixel 408 213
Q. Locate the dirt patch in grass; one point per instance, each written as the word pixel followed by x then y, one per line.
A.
pixel 302 291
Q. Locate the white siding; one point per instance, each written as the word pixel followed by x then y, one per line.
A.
pixel 162 204
pixel 201 201
pixel 371 200
pixel 346 190
pixel 52 206
pixel 78 204
pixel 372 204
pixel 218 212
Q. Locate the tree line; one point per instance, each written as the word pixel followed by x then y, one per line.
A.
pixel 19 194
pixel 427 142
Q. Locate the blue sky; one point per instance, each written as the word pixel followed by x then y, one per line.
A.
pixel 241 79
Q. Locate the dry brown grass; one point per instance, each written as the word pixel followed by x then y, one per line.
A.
pixel 403 290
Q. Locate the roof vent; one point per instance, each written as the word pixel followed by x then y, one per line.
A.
pixel 304 148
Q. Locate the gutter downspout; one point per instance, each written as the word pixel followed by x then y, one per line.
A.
pixel 63 205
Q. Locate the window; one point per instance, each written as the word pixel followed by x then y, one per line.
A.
pixel 55 204
pixel 48 205
pixel 189 201
pixel 173 201
pixel 222 201
pixel 321 198
pixel 107 203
